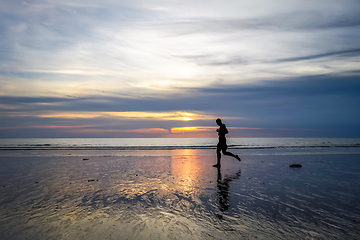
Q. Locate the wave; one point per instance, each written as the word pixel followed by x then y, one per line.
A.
pixel 54 147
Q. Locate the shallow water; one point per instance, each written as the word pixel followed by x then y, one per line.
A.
pixel 179 196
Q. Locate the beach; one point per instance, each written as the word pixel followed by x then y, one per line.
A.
pixel 177 194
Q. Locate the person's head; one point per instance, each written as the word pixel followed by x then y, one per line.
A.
pixel 218 121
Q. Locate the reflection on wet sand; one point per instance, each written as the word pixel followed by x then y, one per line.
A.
pixel 223 185
pixel 186 172
pixel 176 196
pixel 132 197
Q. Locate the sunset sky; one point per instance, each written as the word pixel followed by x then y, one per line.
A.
pixel 168 68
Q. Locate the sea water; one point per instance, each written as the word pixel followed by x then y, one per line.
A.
pixel 248 146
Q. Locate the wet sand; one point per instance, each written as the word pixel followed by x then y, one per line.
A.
pixel 177 194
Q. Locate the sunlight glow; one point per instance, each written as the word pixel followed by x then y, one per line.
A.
pixel 192 129
pixel 186 171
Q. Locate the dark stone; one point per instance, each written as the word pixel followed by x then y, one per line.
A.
pixel 91 180
pixel 85 159
pixel 295 166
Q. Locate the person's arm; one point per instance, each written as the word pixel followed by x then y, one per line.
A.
pixel 223 129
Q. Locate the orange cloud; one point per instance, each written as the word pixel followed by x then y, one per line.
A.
pixel 141 130
pixel 204 129
pixel 145 130
pixel 169 116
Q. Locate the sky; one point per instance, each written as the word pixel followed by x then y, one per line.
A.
pixel 168 68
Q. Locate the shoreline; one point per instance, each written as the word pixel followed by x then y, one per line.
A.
pixel 179 196
pixel 177 152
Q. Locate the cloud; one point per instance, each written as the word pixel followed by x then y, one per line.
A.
pixel 293 21
pixel 145 115
pixel 197 129
pixel 123 65
pixel 311 102
pixel 141 131
pixel 344 53
pixel 128 40
pixel 216 60
pixel 197 100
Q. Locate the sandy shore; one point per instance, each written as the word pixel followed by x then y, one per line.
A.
pixel 177 195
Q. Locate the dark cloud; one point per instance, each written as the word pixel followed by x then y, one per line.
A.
pixel 344 53
pixel 19 100
pixel 210 98
pixel 312 102
pixel 216 60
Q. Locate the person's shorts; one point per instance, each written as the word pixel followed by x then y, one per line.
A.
pixel 222 146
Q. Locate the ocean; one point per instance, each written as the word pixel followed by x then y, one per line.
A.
pixel 248 146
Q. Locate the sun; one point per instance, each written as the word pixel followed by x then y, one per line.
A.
pixel 186 118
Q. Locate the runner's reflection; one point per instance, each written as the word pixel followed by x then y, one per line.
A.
pixel 223 185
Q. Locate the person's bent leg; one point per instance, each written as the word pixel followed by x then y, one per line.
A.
pixel 232 155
